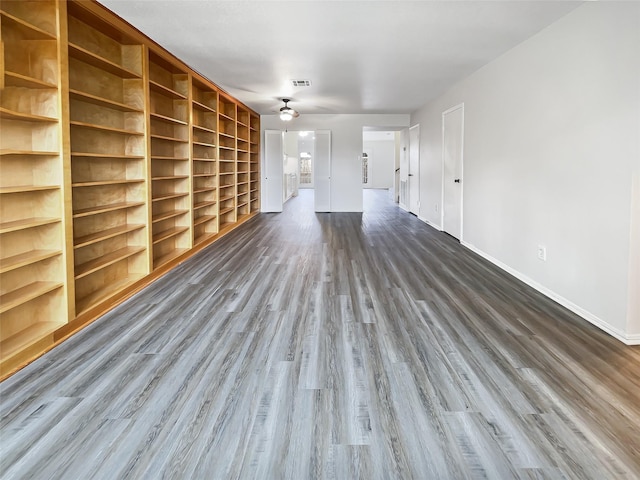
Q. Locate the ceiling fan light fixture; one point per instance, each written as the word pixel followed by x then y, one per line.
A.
pixel 287 113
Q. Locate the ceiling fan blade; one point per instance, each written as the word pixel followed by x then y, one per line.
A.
pixel 296 114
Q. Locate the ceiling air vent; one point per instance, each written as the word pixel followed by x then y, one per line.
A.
pixel 301 83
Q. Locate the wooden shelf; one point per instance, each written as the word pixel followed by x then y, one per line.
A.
pixel 227 173
pixel 14 79
pixel 164 118
pixel 104 261
pixel 168 196
pixel 158 262
pixel 105 235
pixel 167 215
pixel 203 129
pixel 7 114
pixel 203 144
pixel 28 30
pixel 102 128
pixel 227 117
pixel 90 58
pixel 222 134
pixel 27 337
pixel 226 210
pixel 115 156
pixel 171 177
pixel 104 293
pixel 23 259
pixel 200 205
pixel 203 219
pixel 9 152
pixel 28 188
pixel 200 159
pixel 204 175
pixel 101 101
pixel 107 182
pixel 202 106
pixel 23 224
pixel 159 157
pixel 205 236
pixel 158 87
pixel 25 294
pixel 169 139
pixel 85 212
pixel 205 189
pixel 169 233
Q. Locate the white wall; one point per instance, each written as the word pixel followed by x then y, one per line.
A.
pixel 552 143
pixel 346 149
pixel 381 163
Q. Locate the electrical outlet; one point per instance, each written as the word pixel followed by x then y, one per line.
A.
pixel 542 253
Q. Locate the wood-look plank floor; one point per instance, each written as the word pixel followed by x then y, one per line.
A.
pixel 333 346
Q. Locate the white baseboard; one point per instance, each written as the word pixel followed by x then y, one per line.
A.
pixel 403 207
pixel 431 224
pixel 591 318
pixel 633 339
pixel 437 227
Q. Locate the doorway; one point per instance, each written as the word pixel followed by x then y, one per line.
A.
pixel 380 162
pixel 295 160
pixel 452 169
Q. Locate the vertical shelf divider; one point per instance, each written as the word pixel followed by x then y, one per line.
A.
pixel 65 142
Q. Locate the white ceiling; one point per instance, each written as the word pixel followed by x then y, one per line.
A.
pixel 361 56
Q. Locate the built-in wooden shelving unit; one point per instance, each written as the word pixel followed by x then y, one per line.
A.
pixel 33 302
pixel 227 160
pixel 170 169
pixel 117 161
pixel 204 156
pixel 254 163
pixel 108 148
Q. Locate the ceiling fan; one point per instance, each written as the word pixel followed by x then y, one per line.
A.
pixel 286 112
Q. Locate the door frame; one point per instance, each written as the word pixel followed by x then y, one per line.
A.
pixel 322 199
pixel 410 172
pixel 450 110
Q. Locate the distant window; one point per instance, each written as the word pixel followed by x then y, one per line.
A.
pixel 365 168
pixel 305 169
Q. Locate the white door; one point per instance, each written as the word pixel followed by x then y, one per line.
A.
pixel 322 171
pixel 452 153
pixel 273 171
pixel 414 169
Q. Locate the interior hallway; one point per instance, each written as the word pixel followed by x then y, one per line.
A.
pixel 338 345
